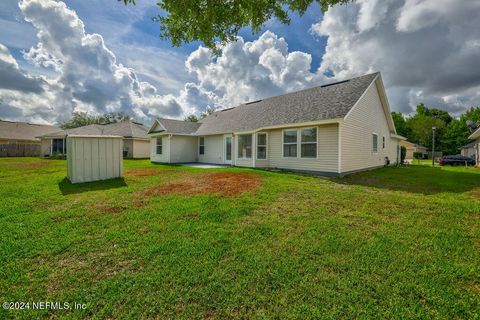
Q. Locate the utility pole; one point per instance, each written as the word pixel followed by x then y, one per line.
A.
pixel 433 146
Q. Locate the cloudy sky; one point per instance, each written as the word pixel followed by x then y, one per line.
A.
pixel 100 56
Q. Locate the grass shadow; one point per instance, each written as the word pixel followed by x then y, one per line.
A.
pixel 418 179
pixel 66 187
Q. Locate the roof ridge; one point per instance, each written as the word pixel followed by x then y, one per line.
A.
pixel 327 85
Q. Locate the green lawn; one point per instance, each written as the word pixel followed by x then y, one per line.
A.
pixel 390 243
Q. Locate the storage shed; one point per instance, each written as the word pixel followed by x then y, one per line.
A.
pixel 92 158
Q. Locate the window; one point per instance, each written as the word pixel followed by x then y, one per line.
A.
pixel 245 146
pixel 159 145
pixel 383 143
pixel 57 146
pixel 201 148
pixel 290 143
pixel 261 146
pixel 309 143
pixel 374 142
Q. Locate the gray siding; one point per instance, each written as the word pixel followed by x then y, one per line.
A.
pixel 366 118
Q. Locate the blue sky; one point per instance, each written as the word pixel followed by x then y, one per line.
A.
pixel 130 25
pixel 426 52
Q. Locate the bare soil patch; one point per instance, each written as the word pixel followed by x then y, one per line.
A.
pixel 142 172
pixel 224 183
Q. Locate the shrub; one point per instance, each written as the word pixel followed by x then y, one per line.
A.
pixel 403 153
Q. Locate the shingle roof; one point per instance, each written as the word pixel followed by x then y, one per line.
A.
pixel 319 103
pixel 468 145
pixel 126 129
pixel 178 126
pixel 23 131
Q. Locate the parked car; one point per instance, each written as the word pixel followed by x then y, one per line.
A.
pixel 456 160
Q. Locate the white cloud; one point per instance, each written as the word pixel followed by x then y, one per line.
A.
pixel 247 71
pixel 427 50
pixel 87 75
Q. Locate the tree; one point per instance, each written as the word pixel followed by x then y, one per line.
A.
pixel 80 119
pixel 203 115
pixel 211 21
pixel 400 124
pixel 191 118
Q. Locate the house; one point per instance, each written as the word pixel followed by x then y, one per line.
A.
pixel 136 144
pixel 19 138
pixel 332 129
pixel 411 148
pixel 476 136
pixel 468 150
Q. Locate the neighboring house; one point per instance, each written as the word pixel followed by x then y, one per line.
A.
pixel 136 144
pixel 411 148
pixel 476 136
pixel 19 138
pixel 468 150
pixel 332 130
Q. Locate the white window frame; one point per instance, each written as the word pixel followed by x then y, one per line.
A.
pixel 238 144
pixel 158 145
pixel 383 142
pixel 261 145
pixel 316 142
pixel 374 150
pixel 289 143
pixel 200 145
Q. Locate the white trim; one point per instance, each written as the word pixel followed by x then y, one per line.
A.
pixel 359 99
pixel 169 139
pixel 266 145
pixel 383 101
pixel 339 156
pixel 156 146
pixel 236 151
pixel 316 142
pixel 153 125
pixel 374 152
pixel 200 145
pixel 475 134
pixel 225 161
pixel 283 142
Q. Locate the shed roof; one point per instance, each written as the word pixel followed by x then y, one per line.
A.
pixel 10 130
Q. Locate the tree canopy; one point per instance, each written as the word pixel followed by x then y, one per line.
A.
pixel 211 21
pixel 194 118
pixel 80 119
pixel 450 135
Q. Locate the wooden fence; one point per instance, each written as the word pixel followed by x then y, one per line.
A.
pixel 20 150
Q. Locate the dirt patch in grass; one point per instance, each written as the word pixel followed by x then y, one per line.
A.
pixel 142 172
pixel 224 183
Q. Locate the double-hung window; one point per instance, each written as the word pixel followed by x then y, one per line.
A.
pixel 383 142
pixel 159 145
pixel 244 142
pixel 290 143
pixel 261 146
pixel 374 143
pixel 201 145
pixel 309 143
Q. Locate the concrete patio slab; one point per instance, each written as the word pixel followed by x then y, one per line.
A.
pixel 204 165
